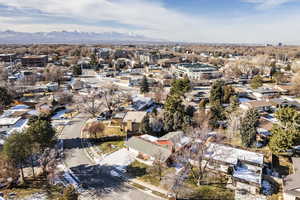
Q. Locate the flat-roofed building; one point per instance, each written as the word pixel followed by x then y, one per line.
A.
pixel 195 71
pixel 34 61
pixel 7 57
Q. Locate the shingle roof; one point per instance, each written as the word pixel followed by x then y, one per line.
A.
pixel 149 148
pixel 134 116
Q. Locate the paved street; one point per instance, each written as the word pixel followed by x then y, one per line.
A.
pixel 97 179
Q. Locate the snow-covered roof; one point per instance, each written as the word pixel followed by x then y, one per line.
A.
pixel 242 172
pixel 60 114
pixel 231 155
pixel 149 137
pixel 19 126
pixel 5 121
pixel 20 107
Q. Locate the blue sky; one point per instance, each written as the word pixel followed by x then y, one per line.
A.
pixel 236 21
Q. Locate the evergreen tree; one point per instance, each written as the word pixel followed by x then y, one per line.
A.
pixel 77 70
pixel 16 150
pixel 216 115
pixel 5 97
pixel 144 85
pixel 283 139
pixel 248 127
pixel 93 61
pixel 256 82
pixel 287 133
pixel 217 92
pixel 234 104
pixel 228 93
pixel 168 121
pixel 42 133
pixel 288 117
pixel 180 86
pixel 173 103
pixel 145 126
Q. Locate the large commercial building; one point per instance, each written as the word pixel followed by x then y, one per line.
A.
pixel 195 71
pixel 34 61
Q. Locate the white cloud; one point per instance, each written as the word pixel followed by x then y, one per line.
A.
pixel 267 4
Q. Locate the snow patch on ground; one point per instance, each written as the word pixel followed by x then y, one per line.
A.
pixel 119 159
pixel 114 173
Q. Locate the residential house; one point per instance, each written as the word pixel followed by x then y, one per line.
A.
pixel 146 150
pixel 260 105
pixel 154 69
pixel 265 93
pixel 244 166
pixel 132 121
pixel 176 139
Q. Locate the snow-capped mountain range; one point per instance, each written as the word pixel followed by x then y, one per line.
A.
pixel 71 37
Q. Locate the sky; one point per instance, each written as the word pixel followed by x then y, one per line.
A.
pixel 220 21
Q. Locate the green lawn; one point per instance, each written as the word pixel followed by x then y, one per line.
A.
pixel 213 189
pixel 110 147
pixel 212 192
pixel 141 171
pixel 144 173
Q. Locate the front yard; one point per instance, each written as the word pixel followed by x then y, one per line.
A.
pixel 147 173
pixel 141 171
pixel 106 131
pixel 36 189
pixel 110 147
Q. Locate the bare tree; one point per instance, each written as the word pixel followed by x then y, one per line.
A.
pixel 234 123
pixel 48 161
pixel 53 73
pixel 113 96
pixel 296 84
pixel 64 97
pixel 197 157
pixel 3 75
pixel 158 166
pixel 9 173
pixel 94 128
pixel 92 104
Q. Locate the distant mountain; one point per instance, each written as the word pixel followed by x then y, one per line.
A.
pixel 69 37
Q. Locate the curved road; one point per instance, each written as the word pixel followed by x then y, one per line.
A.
pixel 96 179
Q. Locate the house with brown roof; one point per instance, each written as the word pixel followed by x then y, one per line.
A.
pixel 133 120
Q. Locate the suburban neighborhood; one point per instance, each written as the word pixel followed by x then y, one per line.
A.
pixel 149 100
pixel 149 122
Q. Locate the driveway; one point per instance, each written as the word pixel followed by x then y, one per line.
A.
pixel 98 178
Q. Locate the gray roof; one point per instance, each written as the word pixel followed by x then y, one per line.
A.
pixel 149 148
pixel 175 136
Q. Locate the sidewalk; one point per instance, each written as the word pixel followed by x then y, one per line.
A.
pixel 93 153
pixel 149 186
